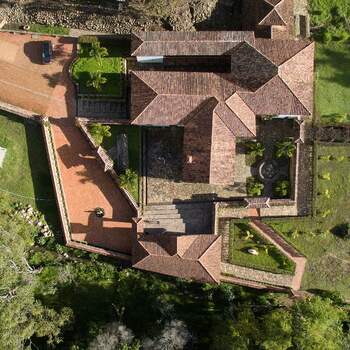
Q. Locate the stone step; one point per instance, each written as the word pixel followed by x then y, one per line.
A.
pixel 168 228
pixel 161 215
pixel 160 207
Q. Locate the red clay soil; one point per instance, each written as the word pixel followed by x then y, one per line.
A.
pixel 47 89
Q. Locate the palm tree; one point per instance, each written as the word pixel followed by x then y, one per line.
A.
pixel 96 80
pixel 99 132
pixel 285 149
pixel 97 51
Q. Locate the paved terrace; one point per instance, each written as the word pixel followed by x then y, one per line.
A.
pixel 47 90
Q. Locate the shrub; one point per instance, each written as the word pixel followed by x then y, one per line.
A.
pixel 325 157
pixel 255 148
pixel 325 176
pixel 254 187
pixel 282 188
pixel 342 230
pixel 128 179
pixel 99 132
pixel 285 149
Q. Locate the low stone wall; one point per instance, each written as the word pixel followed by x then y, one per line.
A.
pixel 107 163
pixel 259 276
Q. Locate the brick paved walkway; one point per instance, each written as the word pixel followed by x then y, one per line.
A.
pixel 46 89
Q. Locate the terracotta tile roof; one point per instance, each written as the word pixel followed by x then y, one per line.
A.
pixel 243 112
pixel 297 74
pixel 262 14
pixel 194 257
pixel 279 51
pixel 232 121
pixel 274 98
pixel 274 77
pixel 187 43
pixel 272 18
pixel 249 68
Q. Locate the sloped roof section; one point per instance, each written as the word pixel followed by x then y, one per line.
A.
pixel 250 69
pixel 167 110
pixel 188 83
pixel 201 43
pixel 232 121
pixel 279 51
pixel 272 19
pixel 274 98
pixel 141 94
pixel 194 257
pixel 297 74
pixel 243 112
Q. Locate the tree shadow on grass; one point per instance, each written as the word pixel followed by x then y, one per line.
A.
pixel 40 173
pixel 338 61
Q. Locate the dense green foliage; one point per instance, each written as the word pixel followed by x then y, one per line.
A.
pixel 285 148
pixel 255 188
pixel 282 188
pixel 22 315
pixel 330 19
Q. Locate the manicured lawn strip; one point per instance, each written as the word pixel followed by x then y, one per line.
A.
pixel 328 255
pixel 133 133
pixel 272 260
pixel 111 67
pixel 332 80
pixel 25 170
pixel 55 30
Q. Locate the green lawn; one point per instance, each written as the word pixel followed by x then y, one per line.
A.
pixel 332 80
pixel 133 133
pixel 328 254
pixel 25 173
pixel 242 237
pixel 111 67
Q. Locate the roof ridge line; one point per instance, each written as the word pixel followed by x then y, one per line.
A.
pixel 205 252
pixel 280 16
pixel 273 7
pixel 136 75
pixel 237 115
pixel 294 94
pixel 207 101
pixel 297 53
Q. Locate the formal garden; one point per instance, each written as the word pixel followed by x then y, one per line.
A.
pixel 123 145
pixel 100 67
pixel 269 158
pixel 247 248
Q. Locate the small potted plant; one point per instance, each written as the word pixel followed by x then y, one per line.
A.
pixel 100 212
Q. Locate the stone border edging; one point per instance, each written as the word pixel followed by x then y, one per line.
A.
pixel 105 160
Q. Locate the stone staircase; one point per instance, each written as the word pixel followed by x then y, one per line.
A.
pixel 190 218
